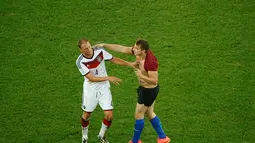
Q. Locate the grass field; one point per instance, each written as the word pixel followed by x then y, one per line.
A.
pixel 206 51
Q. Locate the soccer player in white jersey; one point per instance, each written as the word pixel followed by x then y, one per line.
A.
pixel 96 86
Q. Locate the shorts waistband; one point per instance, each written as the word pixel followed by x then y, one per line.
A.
pixel 141 87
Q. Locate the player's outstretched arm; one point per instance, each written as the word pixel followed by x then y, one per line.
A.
pixel 112 79
pixel 116 48
pixel 122 62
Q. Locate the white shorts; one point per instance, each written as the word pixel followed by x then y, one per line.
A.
pixel 91 98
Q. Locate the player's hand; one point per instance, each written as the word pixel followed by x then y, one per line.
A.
pixel 98 46
pixel 114 80
pixel 134 65
pixel 138 73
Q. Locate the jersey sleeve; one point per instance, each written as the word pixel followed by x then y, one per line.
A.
pixel 151 62
pixel 151 65
pixel 82 68
pixel 107 56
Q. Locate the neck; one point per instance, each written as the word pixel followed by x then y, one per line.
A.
pixel 142 57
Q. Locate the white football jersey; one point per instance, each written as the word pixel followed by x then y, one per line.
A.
pixel 95 66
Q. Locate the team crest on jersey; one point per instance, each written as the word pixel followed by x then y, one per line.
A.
pixel 99 59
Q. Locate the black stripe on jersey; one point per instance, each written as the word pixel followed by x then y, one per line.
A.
pixel 86 73
pixel 109 59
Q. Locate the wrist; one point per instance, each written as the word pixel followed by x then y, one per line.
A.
pixel 104 45
pixel 129 64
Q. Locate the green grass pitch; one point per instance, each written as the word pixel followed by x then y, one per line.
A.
pixel 206 52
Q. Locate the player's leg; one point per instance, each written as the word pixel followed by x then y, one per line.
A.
pixel 150 112
pixel 155 122
pixel 85 126
pixel 139 122
pixel 139 116
pixel 105 101
pixel 154 119
pixel 89 103
pixel 106 123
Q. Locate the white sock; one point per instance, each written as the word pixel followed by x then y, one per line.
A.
pixel 103 130
pixel 85 132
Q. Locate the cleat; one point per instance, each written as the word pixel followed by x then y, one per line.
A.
pixel 165 140
pixel 84 140
pixel 132 141
pixel 102 139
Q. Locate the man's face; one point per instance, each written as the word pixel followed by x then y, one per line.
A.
pixel 85 48
pixel 137 50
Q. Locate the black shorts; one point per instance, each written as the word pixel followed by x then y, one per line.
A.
pixel 147 96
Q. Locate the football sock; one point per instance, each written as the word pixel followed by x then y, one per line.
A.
pixel 158 127
pixel 105 125
pixel 85 127
pixel 139 125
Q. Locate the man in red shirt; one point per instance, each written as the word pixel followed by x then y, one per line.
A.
pixel 147 73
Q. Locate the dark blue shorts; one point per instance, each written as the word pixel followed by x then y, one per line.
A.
pixel 147 96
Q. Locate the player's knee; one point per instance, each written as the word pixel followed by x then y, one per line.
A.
pixel 150 115
pixel 139 116
pixel 109 117
pixel 86 115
